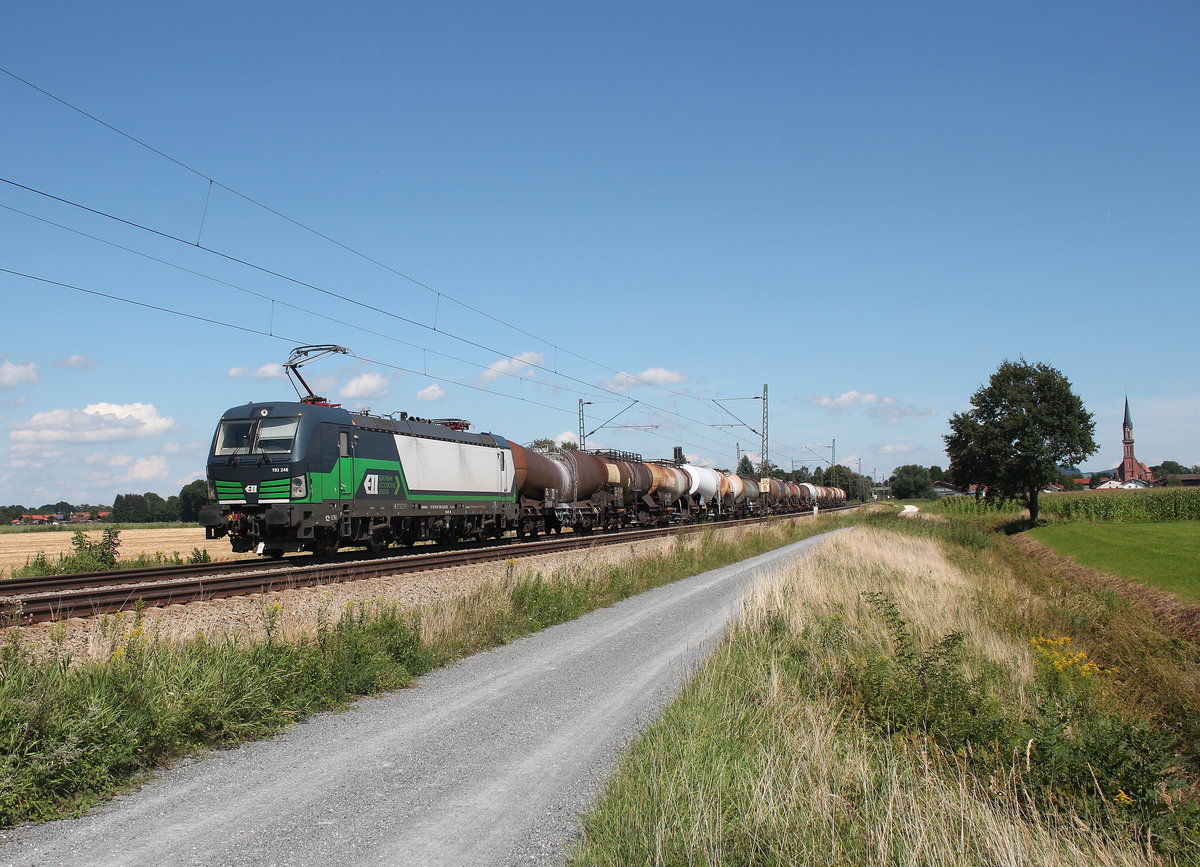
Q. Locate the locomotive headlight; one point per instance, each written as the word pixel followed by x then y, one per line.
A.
pixel 299 487
pixel 212 492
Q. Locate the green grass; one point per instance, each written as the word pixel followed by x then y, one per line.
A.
pixel 1165 554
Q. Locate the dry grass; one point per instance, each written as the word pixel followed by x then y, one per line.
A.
pixel 753 765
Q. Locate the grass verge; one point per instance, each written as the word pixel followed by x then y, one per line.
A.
pixel 918 692
pixel 73 732
pixel 1164 554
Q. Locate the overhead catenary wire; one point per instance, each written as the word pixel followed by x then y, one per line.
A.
pixel 274 301
pixel 328 292
pixel 213 181
pixel 294 340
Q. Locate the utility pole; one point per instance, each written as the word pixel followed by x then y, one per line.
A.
pixel 739 456
pixel 582 425
pixel 833 449
pixel 765 441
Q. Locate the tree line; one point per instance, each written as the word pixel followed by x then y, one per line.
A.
pixel 126 508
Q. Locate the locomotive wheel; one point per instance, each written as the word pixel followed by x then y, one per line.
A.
pixel 378 544
pixel 327 542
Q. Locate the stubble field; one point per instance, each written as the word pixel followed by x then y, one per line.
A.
pixel 16 549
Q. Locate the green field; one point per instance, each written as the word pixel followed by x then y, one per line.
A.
pixel 1163 553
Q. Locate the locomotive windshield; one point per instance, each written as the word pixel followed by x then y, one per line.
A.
pixel 252 436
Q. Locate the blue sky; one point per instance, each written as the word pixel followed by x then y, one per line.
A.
pixel 867 206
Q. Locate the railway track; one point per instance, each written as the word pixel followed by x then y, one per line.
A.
pixel 38 600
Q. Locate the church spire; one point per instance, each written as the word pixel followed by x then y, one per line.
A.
pixel 1128 420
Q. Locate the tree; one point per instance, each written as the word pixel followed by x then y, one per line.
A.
pixel 767 470
pixel 1168 468
pixel 911 482
pixel 745 466
pixel 192 498
pixel 937 474
pixel 548 445
pixel 130 509
pixel 1023 425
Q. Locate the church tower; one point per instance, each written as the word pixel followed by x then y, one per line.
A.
pixel 1131 467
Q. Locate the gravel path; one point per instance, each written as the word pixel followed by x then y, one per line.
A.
pixel 485 762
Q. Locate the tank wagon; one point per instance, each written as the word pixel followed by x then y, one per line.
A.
pixel 308 475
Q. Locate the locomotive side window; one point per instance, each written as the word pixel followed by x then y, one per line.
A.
pixel 235 438
pixel 275 435
pixel 344 444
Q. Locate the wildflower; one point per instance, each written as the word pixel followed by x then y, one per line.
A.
pixel 1121 799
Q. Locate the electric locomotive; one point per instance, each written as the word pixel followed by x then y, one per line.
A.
pixel 296 476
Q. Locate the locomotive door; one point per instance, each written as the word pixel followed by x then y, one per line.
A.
pixel 336 449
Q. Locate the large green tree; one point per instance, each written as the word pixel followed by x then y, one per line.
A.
pixel 1023 425
pixel 911 482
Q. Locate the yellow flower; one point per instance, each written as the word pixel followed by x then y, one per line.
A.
pixel 1122 799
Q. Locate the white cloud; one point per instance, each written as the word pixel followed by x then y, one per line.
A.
pixel 109 459
pixel 95 423
pixel 699 461
pixel 851 398
pixel 151 469
pixel 76 360
pixel 897 448
pixel 174 448
pixel 237 372
pixel 31 455
pixel 369 386
pixel 323 384
pixel 650 376
pixel 189 478
pixel 567 436
pixel 12 375
pixel 269 371
pixel 431 392
pixel 515 366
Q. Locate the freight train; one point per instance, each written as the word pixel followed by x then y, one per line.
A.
pixel 311 476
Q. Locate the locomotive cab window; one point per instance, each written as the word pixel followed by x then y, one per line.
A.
pixel 275 435
pixel 250 436
pixel 234 438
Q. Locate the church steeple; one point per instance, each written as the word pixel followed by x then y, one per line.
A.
pixel 1131 467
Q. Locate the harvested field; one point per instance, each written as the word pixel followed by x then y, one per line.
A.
pixel 16 549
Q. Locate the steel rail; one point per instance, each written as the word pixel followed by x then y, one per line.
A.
pixel 182 586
